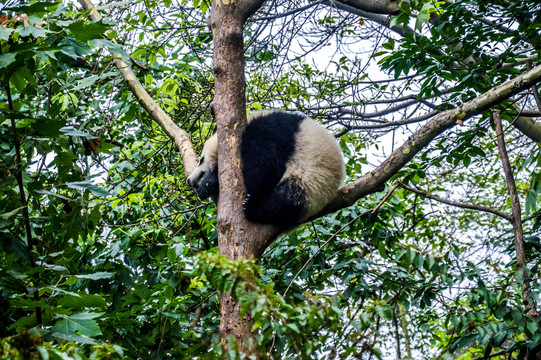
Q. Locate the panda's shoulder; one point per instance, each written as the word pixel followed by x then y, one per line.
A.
pixel 275 122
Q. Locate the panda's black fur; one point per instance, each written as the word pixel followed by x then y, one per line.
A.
pixel 292 167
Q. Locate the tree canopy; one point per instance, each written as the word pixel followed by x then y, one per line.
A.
pixel 430 250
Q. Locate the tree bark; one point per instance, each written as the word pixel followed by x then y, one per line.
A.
pixel 528 127
pixel 237 238
pixel 383 20
pixel 373 6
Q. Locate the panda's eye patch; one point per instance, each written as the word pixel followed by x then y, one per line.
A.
pixel 201 161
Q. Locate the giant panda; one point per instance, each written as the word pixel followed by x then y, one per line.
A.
pixel 291 165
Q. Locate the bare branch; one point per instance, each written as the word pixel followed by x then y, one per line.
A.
pixel 530 113
pixel 456 203
pixel 387 111
pixel 390 123
pixel 375 180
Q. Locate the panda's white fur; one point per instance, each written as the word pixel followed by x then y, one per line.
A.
pixel 292 168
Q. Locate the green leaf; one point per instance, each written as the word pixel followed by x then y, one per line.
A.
pixel 394 20
pixel 43 353
pixel 75 338
pixel 111 45
pixel 384 311
pixel 418 261
pixel 81 322
pixel 82 301
pixel 45 192
pixel 421 19
pixel 38 8
pixel 429 262
pixel 87 185
pixel 91 80
pixel 499 338
pixel 73 48
pixel 463 341
pixel 381 249
pixel 389 45
pixel 6 59
pixel 410 256
pixel 21 77
pixel 87 31
pixel 293 327
pixel 466 160
pixel 69 131
pixel 5 33
pixel 10 214
pixel 32 31
pixel 532 327
pixel 48 127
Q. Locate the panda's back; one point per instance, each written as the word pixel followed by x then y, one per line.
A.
pixel 296 152
pixel 268 142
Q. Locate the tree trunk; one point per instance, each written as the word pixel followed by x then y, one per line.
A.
pixel 237 239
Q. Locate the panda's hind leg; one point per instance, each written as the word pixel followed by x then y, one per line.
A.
pixel 284 206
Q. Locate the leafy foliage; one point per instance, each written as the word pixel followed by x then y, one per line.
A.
pixel 105 253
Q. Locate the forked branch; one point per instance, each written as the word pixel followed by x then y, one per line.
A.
pixel 375 180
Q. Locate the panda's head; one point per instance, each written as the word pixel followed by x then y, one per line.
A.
pixel 204 179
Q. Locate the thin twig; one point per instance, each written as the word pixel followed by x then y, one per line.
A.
pixel 384 199
pixel 457 204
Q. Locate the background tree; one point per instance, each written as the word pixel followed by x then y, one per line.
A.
pixel 102 243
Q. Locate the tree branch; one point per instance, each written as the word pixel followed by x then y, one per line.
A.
pixel 516 214
pixel 179 136
pixel 237 238
pixel 24 201
pixel 375 180
pixel 528 127
pixel 372 16
pixel 524 123
pixel 388 7
pixel 455 203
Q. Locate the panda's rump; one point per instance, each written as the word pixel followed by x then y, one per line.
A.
pixel 318 161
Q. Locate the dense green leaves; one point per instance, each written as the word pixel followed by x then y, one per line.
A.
pixel 105 253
